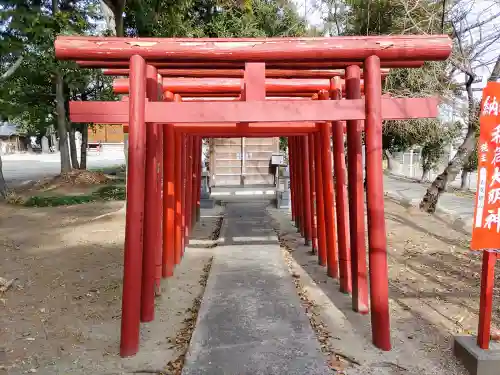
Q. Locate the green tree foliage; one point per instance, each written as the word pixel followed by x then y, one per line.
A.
pixel 29 72
pixel 28 31
pixel 471 163
pixel 28 69
pixel 433 149
pixel 212 18
pixel 432 153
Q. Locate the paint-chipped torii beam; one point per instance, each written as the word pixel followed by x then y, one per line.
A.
pixel 260 111
pixel 318 65
pixel 406 48
pixel 207 86
pixel 238 73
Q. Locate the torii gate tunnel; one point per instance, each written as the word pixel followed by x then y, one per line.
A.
pixel 255 88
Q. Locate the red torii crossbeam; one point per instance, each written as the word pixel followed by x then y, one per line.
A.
pixel 227 86
pixel 250 115
pixel 319 65
pixel 405 48
pixel 238 73
pixel 258 111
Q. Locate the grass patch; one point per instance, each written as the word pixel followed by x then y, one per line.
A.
pixel 111 170
pixel 104 193
pixel 111 193
pixel 53 201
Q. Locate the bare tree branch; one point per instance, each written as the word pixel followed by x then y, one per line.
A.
pixel 488 42
pixel 443 16
pixel 12 69
pixel 335 15
pixel 474 89
pixel 475 26
pixel 495 73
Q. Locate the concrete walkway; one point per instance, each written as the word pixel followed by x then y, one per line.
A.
pixel 453 208
pixel 251 320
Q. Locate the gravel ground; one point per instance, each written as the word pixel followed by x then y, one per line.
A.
pixel 62 313
pixel 434 294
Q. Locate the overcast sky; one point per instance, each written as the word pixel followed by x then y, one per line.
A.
pixel 309 8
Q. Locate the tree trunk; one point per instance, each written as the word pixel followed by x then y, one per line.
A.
pixel 119 21
pixel 431 197
pixel 464 179
pixel 112 12
pixel 72 148
pixel 108 15
pixel 9 72
pixel 83 148
pixel 390 160
pixel 3 185
pixel 61 109
pixel 425 174
pixel 61 124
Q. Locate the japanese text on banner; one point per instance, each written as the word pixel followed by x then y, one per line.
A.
pixel 486 221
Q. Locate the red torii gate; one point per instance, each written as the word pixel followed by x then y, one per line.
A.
pixel 178 145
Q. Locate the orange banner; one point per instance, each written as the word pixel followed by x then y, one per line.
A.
pixel 486 221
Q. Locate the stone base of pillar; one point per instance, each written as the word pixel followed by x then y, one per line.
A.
pixel 476 360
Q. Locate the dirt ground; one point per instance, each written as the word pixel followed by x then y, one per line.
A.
pixel 434 291
pixel 62 313
pixel 78 182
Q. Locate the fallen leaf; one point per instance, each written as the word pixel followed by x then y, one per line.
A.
pixel 336 364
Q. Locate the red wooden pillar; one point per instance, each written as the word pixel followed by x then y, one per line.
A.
pixel 199 147
pixel 379 284
pixel 306 191
pixel 322 244
pixel 184 190
pixel 291 177
pixel 159 206
pixel 189 185
pixel 132 267
pixel 298 204
pixel 178 191
pixel 326 163
pixel 356 197
pixel 151 218
pixel 296 178
pixel 196 181
pixel 192 207
pixel 314 237
pixel 169 200
pixel 300 186
pixel 341 208
pixel 200 171
pixel 192 199
pixel 293 165
pixel 486 299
